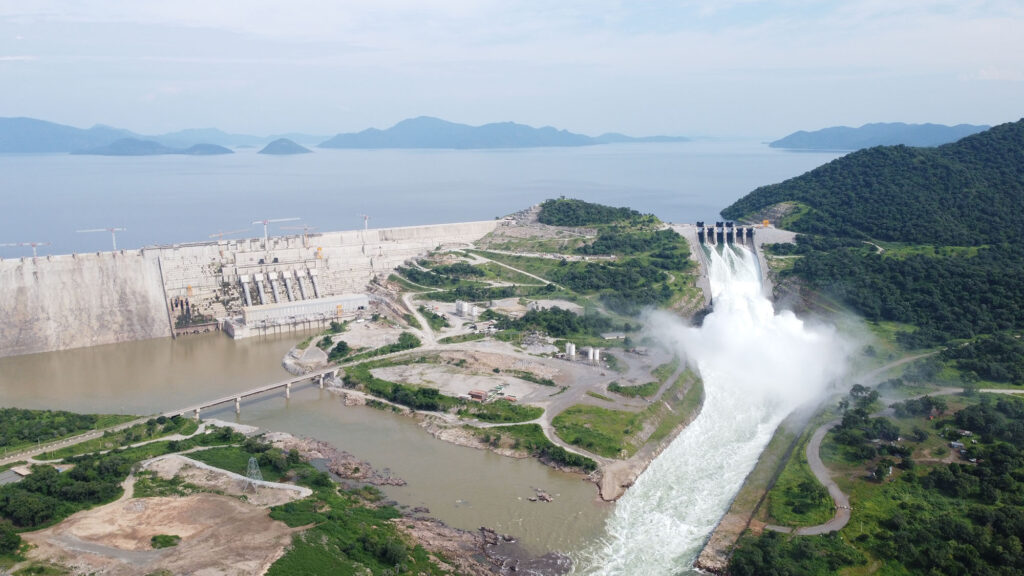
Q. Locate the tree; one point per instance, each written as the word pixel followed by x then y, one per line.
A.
pixel 10 541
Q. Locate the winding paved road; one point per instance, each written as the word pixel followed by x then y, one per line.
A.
pixel 824 475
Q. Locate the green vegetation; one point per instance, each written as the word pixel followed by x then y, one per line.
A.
pixel 436 321
pixel 339 351
pixel 415 397
pixel 599 396
pixel 10 541
pixel 642 390
pixel 685 396
pixel 349 534
pixel 553 321
pixel 47 496
pixel 150 485
pixel 459 270
pixel 274 463
pixel 35 569
pixel 909 503
pixel 501 411
pixel 531 377
pixel 662 373
pixel 797 498
pixel 496 271
pixel 946 297
pixel 961 194
pixel 21 428
pixel 998 358
pixel 530 437
pixel 570 212
pixel 614 433
pixel 151 429
pixel 774 553
pixel 406 341
pixel 625 285
pixel 412 321
pixel 459 338
pixel 920 236
pixel 600 430
pixel 165 540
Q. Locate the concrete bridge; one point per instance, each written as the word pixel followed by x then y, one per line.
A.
pixel 317 376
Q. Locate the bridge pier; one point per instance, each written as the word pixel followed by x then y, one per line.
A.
pixel 238 405
pixel 197 414
pixel 288 390
pixel 321 381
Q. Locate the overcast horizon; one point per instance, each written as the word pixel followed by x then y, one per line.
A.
pixel 727 68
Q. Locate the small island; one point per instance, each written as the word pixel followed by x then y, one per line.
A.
pixel 284 146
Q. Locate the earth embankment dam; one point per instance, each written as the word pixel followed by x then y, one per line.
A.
pixel 73 300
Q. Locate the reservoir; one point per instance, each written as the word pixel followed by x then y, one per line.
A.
pixel 464 487
pixel 176 199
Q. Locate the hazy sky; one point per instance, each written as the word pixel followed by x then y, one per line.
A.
pixel 697 67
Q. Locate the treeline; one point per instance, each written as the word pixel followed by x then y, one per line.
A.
pixel 19 427
pixel 957 297
pixel 967 193
pixel 625 287
pixel 663 244
pixel 553 321
pixel 571 212
pixel 775 554
pixel 999 358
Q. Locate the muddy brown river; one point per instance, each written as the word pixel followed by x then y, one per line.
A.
pixel 464 487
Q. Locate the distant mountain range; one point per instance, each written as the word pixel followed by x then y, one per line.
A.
pixel 136 147
pixel 32 136
pixel 879 134
pixel 427 132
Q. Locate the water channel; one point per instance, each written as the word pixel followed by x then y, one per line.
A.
pixel 464 487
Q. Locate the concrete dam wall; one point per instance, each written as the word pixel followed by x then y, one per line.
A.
pixel 69 301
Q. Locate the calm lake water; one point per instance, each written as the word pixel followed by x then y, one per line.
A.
pixel 169 199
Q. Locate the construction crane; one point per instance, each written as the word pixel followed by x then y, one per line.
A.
pixel 113 233
pixel 305 229
pixel 222 234
pixel 268 221
pixel 19 244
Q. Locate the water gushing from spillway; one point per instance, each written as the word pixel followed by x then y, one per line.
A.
pixel 757 366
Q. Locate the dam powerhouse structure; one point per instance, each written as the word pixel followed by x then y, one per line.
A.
pixel 245 287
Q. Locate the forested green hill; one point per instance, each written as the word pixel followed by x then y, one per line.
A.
pixel 967 193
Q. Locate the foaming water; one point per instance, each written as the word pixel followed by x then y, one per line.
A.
pixel 757 366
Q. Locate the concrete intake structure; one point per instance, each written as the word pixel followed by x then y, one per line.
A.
pixel 76 300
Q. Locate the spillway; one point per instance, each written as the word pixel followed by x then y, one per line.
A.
pixel 757 366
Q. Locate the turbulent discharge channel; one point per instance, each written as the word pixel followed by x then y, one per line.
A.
pixel 757 366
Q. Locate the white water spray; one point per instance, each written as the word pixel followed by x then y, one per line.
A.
pixel 757 367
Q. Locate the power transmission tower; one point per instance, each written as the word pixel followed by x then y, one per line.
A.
pixel 253 475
